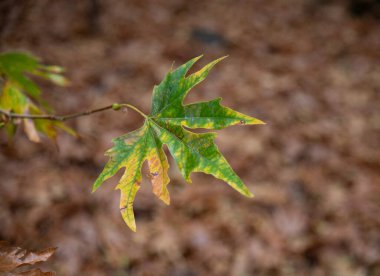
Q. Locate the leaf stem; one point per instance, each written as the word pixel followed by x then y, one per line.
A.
pixel 135 109
pixel 53 117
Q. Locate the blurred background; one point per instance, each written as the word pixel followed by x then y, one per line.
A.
pixel 310 69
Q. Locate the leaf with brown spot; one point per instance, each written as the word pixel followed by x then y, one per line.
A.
pixel 193 152
pixel 158 167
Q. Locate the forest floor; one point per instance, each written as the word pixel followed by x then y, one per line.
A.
pixel 309 69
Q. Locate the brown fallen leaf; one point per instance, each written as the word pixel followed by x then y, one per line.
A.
pixel 31 131
pixel 12 257
pixel 36 272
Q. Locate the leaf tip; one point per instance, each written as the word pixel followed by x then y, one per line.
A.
pixel 259 122
pixel 194 60
pixel 166 200
pixel 131 223
pixel 254 121
pixel 220 59
pixel 95 186
pixel 244 191
pixel 250 195
pixel 132 226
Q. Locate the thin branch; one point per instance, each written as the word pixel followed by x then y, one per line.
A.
pixel 53 117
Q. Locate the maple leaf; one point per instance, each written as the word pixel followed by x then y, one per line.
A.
pixel 20 95
pixel 193 152
pixel 15 65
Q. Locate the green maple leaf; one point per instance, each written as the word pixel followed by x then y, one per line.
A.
pixel 193 152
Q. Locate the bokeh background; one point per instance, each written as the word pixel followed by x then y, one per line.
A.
pixel 310 69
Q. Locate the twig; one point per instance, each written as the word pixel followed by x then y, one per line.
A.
pixel 53 117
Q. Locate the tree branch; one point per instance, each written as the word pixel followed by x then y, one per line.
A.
pixel 53 117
